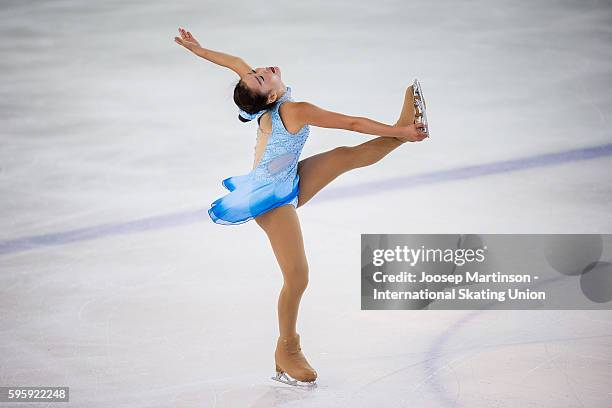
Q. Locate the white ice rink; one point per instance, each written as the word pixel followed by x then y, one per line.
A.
pixel 114 140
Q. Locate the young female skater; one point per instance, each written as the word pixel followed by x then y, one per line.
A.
pixel 278 178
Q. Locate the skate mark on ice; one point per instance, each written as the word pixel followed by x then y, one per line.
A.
pixel 467 172
pixel 438 345
pixel 189 217
pixel 392 373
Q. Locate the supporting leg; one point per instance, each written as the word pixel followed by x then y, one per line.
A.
pixel 283 229
pixel 282 226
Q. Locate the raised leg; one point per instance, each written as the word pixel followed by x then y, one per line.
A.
pixel 321 169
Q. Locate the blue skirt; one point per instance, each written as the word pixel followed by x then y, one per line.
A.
pixel 249 198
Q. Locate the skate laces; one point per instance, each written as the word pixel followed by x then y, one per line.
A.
pixel 291 345
pixel 293 350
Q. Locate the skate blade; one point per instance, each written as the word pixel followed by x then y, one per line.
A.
pixel 285 379
pixel 421 105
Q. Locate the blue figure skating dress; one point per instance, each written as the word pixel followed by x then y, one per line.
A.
pixel 272 183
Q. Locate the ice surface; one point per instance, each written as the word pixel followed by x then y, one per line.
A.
pixel 114 140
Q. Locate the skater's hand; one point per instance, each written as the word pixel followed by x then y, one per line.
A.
pixel 187 40
pixel 412 133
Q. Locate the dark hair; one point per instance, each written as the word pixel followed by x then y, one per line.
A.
pixel 249 100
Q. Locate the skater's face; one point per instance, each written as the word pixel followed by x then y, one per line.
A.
pixel 265 81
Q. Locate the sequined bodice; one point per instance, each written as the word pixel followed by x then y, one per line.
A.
pixel 282 150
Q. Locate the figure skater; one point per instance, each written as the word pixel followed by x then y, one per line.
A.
pixel 278 184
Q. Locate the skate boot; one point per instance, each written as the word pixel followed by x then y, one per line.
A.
pixel 413 110
pixel 291 365
pixel 420 106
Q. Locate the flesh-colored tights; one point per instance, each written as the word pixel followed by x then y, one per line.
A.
pixel 282 224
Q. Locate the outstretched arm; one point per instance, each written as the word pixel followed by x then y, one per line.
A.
pixel 306 113
pixel 232 62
